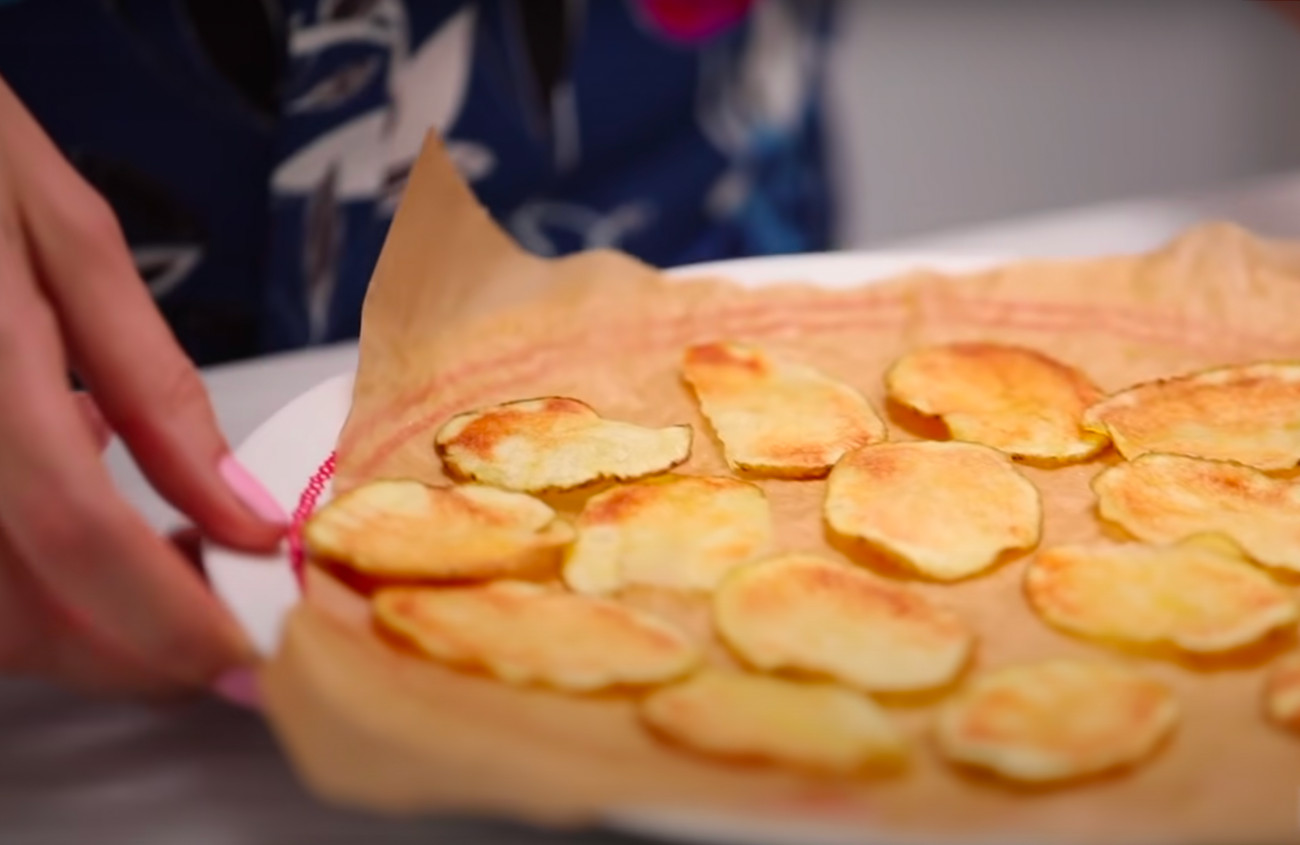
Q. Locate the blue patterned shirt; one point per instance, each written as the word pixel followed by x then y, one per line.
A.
pixel 255 155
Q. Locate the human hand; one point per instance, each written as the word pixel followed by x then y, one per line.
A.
pixel 90 596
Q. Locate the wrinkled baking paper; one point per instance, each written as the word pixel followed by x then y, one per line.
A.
pixel 458 316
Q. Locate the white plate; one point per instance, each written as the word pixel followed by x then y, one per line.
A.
pixel 289 448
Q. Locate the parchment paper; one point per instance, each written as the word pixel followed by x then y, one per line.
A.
pixel 457 316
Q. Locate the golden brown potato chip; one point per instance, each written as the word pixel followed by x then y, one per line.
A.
pixel 805 613
pixel 776 418
pixel 525 633
pixel 537 445
pixel 750 717
pixel 676 531
pixel 1165 498
pixel 947 509
pixel 1282 693
pixel 1249 414
pixel 1198 596
pixel 1014 399
pixel 1056 720
pixel 405 529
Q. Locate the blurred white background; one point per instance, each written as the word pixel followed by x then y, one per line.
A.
pixel 951 112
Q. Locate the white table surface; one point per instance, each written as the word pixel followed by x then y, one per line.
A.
pixel 207 774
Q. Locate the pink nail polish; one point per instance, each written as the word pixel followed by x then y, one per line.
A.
pixel 251 492
pixel 239 686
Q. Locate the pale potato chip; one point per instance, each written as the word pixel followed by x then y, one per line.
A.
pixel 524 633
pixel 1015 399
pixel 1282 693
pixel 1198 596
pixel 1162 498
pixel 405 529
pixel 750 717
pixel 680 532
pixel 777 418
pixel 537 445
pixel 947 509
pixel 805 613
pixel 1056 720
pixel 1249 414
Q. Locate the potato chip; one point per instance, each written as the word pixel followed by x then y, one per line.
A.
pixel 751 717
pixel 405 529
pixel 777 418
pixel 525 633
pixel 1014 399
pixel 801 612
pixel 554 443
pixel 676 531
pixel 1056 720
pixel 1198 596
pixel 1165 498
pixel 947 509
pixel 1249 414
pixel 1282 693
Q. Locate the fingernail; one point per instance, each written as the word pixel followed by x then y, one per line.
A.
pixel 251 492
pixel 239 686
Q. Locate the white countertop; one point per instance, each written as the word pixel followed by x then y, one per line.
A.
pixel 1268 206
pixel 208 774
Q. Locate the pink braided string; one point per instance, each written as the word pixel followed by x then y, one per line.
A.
pixel 306 506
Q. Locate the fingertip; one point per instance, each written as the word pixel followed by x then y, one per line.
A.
pixel 239 686
pixel 265 520
pixel 250 492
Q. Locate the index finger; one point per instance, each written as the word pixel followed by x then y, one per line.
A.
pixel 70 528
pixel 121 347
